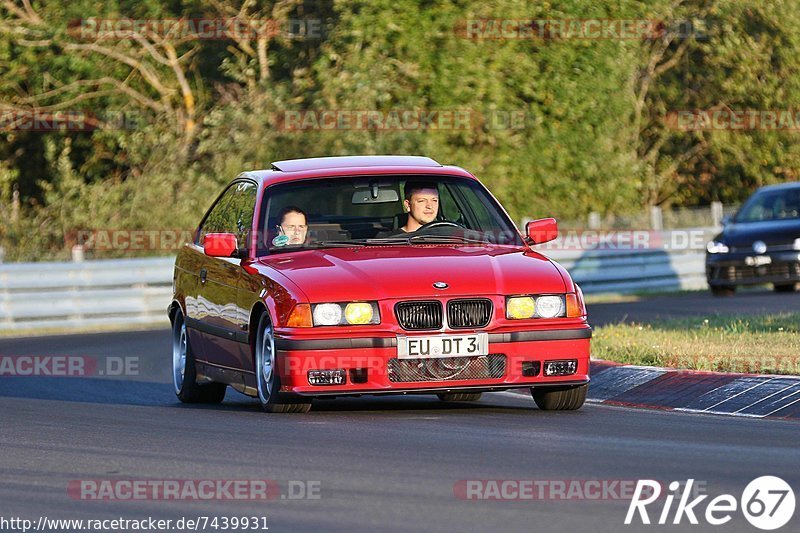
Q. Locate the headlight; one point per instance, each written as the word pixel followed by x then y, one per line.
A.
pixel 346 313
pixel 545 306
pixel 549 306
pixel 520 307
pixel 796 245
pixel 358 313
pixel 327 314
pixel 716 247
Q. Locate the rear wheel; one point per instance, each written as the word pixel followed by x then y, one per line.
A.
pixel 459 396
pixel 268 378
pixel 566 398
pixel 785 287
pixel 184 372
pixel 722 291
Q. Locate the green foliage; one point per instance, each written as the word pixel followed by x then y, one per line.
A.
pixel 557 127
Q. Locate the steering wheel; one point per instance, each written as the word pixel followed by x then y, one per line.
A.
pixel 440 224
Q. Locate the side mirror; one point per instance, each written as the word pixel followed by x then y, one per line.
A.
pixel 220 245
pixel 542 230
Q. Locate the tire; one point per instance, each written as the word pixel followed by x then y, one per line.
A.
pixel 785 287
pixel 560 398
pixel 722 291
pixel 184 373
pixel 459 396
pixel 268 377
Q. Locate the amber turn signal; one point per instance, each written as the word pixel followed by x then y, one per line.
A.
pixel 300 317
pixel 574 308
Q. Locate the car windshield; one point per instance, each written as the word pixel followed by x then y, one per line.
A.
pixel 780 204
pixel 382 211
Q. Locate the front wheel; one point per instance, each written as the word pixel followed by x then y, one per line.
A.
pixel 184 372
pixel 567 398
pixel 268 378
pixel 718 290
pixel 785 287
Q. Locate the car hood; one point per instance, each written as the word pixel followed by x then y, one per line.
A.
pixel 376 273
pixel 772 232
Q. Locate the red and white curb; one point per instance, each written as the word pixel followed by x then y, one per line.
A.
pixel 748 395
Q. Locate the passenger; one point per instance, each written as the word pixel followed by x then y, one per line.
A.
pixel 293 227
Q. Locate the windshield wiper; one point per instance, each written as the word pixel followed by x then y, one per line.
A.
pixel 445 239
pixel 411 239
pixel 338 244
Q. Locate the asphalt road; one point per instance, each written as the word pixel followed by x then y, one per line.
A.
pixel 698 304
pixel 387 464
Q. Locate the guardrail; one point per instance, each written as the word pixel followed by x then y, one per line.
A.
pixel 634 271
pixel 40 296
pixel 37 296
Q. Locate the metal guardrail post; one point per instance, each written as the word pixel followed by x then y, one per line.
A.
pixel 656 218
pixel 716 214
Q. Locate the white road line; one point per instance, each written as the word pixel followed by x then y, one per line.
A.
pixel 787 405
pixel 738 393
pixel 767 397
pixel 718 413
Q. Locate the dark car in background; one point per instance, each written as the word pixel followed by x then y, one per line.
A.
pixel 760 244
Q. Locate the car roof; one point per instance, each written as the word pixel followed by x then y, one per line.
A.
pixel 330 167
pixel 316 163
pixel 780 186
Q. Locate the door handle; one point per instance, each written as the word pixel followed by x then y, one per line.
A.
pixel 203 275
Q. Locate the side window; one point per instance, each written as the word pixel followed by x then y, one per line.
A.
pixel 475 204
pixel 240 210
pixel 448 207
pixel 233 213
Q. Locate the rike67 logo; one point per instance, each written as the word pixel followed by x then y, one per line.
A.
pixel 767 502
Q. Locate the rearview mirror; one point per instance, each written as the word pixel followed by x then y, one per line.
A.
pixel 542 230
pixel 375 196
pixel 220 244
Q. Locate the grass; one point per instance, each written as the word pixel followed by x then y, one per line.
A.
pixel 762 344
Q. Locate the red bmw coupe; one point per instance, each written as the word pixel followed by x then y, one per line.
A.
pixel 341 276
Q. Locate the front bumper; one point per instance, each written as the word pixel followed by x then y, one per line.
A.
pixel 371 364
pixel 731 269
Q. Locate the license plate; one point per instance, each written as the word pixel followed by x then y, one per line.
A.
pixel 432 346
pixel 758 260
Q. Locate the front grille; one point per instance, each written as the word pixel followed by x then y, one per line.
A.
pixel 419 315
pixel 470 313
pixel 491 366
pixel 776 271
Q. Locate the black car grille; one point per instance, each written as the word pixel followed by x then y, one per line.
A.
pixel 427 314
pixel 491 366
pixel 469 313
pixel 419 315
pixel 774 271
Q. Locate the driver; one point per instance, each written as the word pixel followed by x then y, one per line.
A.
pixel 422 205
